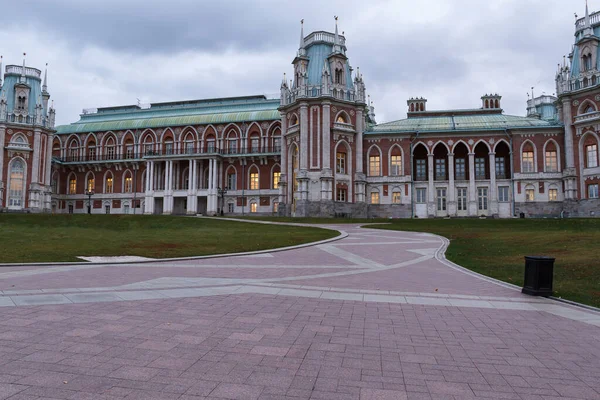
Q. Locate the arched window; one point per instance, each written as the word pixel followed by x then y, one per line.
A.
pixel 148 145
pixel 529 193
pixel 496 104
pixel 90 184
pixel 294 120
pixel 91 150
pixel 375 196
pixel 551 158
pixel 276 177
pixel 374 163
pixel 253 206
pixel 341 160
pixel 109 184
pixel 254 143
pixel 339 76
pixel 395 161
pixel 342 119
pixel 589 109
pixel 528 158
pixel 73 184
pixel 127 183
pixel 231 179
pixel 17 184
pixel 253 181
pixel 110 148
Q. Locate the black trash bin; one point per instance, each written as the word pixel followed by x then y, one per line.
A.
pixel 522 215
pixel 539 273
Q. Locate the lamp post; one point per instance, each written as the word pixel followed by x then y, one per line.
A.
pixel 222 193
pixel 89 194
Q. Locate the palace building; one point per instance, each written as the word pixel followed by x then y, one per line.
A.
pixel 314 151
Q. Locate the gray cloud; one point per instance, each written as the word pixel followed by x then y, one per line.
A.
pixel 112 52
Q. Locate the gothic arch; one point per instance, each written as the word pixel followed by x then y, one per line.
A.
pixel 260 130
pixel 165 132
pixel 584 106
pixel 108 174
pixel 390 151
pixel 348 149
pixel 186 132
pixel 87 177
pixel 273 127
pixel 439 142
pixel 485 143
pixel 251 168
pixel 73 138
pixel 557 147
pixel 89 136
pixel 343 115
pixel 535 158
pixel 69 178
pixel 459 142
pixel 501 141
pixel 275 168
pixel 209 130
pixel 294 120
pixel 106 137
pixel 228 128
pixel 124 175
pixel 421 144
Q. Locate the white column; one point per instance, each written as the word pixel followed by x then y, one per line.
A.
pixel 430 177
pixel 493 190
pixel 451 188
pixel 472 192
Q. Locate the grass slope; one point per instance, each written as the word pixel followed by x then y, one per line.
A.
pixel 47 238
pixel 496 248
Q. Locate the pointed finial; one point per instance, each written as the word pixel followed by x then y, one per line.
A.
pixel 23 72
pixel 1 59
pixel 301 33
pixel 336 30
pixel 45 85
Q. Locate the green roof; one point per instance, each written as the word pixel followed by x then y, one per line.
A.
pixel 474 122
pixel 197 112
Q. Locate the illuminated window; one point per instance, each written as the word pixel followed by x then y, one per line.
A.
pixel 553 195
pixel 527 160
pixel 72 185
pixel 551 161
pixel 396 198
pixel 109 185
pixel 529 193
pixel 253 207
pixel 374 197
pixel 254 181
pixel 276 177
pixel 128 184
pixel 90 185
pixel 374 166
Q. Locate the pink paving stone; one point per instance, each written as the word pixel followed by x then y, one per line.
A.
pixel 257 346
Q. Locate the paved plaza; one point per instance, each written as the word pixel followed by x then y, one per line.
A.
pixel 376 315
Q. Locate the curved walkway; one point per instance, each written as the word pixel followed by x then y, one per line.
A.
pixel 377 315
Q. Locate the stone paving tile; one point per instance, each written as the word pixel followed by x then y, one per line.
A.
pixel 364 332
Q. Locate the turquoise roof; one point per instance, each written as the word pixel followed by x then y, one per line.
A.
pixel 318 54
pixel 474 122
pixel 197 112
pixel 35 84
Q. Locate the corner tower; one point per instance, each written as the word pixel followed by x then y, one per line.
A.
pixel 26 133
pixel 324 112
pixel 578 105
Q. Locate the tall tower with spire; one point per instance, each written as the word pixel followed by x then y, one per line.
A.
pixel 26 133
pixel 578 91
pixel 324 114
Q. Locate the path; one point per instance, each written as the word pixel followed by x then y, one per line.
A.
pixel 378 315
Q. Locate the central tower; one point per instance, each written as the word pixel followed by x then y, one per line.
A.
pixel 323 113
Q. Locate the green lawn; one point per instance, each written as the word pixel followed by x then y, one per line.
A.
pixel 47 238
pixel 496 248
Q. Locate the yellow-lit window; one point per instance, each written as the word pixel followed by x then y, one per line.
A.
pixel 128 184
pixel 276 177
pixel 72 186
pixel 90 185
pixel 109 185
pixel 396 198
pixel 553 195
pixel 254 181
pixel 375 198
pixel 253 207
pixel 396 165
pixel 374 166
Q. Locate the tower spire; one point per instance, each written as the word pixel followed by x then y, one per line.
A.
pixel 1 59
pixel 336 40
pixel 588 31
pixel 23 70
pixel 45 84
pixel 301 49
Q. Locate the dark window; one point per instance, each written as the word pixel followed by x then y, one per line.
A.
pixel 460 169
pixel 421 170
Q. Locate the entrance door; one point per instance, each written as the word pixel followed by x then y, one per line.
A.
pixel 107 209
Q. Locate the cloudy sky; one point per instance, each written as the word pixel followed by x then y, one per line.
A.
pixel 113 52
